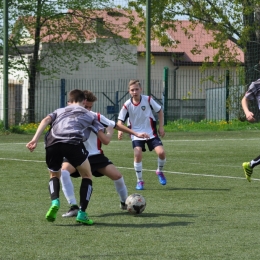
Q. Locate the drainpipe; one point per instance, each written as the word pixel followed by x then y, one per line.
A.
pixel 174 82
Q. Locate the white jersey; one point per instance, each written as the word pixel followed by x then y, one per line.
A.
pixel 93 144
pixel 140 116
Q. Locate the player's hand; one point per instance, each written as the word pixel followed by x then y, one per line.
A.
pixel 31 145
pixel 161 131
pixel 250 117
pixel 110 130
pixel 120 135
pixel 143 135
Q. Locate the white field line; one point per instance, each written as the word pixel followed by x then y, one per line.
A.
pixel 181 173
pixel 195 174
pixel 166 141
pixel 205 140
pixel 19 160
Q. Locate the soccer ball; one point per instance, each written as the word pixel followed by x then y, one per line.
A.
pixel 135 203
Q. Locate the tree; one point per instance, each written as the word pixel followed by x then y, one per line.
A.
pixel 237 21
pixel 62 28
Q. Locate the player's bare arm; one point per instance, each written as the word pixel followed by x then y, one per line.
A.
pixel 161 122
pixel 122 128
pixel 120 133
pixel 248 113
pixel 33 143
pixel 106 138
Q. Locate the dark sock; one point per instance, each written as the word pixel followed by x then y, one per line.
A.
pixel 54 188
pixel 85 193
pixel 255 162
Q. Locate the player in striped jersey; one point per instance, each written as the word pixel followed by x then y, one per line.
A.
pixel 139 112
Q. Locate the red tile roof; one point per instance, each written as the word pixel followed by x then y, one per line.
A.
pixel 195 37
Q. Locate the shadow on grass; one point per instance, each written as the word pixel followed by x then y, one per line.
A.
pixel 147 225
pixel 147 215
pixel 143 215
pixel 202 189
pixel 115 256
pixel 131 225
pixel 137 254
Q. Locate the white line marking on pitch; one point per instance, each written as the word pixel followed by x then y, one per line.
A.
pixel 205 140
pixel 194 174
pixel 181 173
pixel 20 160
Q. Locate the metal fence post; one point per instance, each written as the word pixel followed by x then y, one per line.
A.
pixel 5 69
pixel 165 94
pixel 62 93
pixel 227 95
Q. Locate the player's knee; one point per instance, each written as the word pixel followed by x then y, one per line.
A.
pixel 161 155
pixel 117 176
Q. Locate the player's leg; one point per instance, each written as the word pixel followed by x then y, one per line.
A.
pixel 113 173
pixel 68 188
pixel 138 166
pixel 85 192
pixel 54 190
pixel 248 167
pixel 78 158
pixel 67 185
pixel 156 144
pixel 53 161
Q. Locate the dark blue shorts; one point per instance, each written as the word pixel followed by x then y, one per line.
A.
pixel 96 162
pixel 151 143
pixel 76 154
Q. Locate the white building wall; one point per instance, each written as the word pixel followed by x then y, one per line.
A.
pixel 117 68
pixel 184 82
pixel 106 82
pixel 17 78
pixel 113 80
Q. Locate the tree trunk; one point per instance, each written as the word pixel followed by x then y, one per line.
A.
pixel 34 65
pixel 31 99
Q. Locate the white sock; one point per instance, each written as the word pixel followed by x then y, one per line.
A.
pixel 67 187
pixel 121 189
pixel 138 171
pixel 161 164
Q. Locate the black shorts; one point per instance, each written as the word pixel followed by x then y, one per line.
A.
pixel 151 143
pixel 96 162
pixel 76 154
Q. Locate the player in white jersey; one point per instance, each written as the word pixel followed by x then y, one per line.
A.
pixel 99 163
pixel 139 112
pixel 253 93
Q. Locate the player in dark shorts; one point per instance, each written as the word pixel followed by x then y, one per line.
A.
pixel 96 162
pixel 253 93
pixel 99 163
pixel 138 111
pixel 69 128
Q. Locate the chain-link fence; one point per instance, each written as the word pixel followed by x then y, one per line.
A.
pixel 189 97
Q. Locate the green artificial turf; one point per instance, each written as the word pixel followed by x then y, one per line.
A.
pixel 207 210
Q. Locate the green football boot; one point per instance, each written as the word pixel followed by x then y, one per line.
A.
pixel 248 170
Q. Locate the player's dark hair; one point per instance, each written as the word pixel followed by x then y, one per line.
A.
pixel 133 82
pixel 89 96
pixel 76 95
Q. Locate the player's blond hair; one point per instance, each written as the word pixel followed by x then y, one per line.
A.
pixel 133 82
